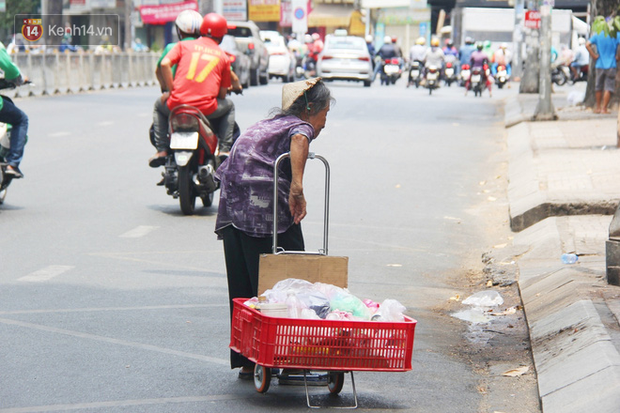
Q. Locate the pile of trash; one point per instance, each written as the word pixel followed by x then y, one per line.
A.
pixel 302 299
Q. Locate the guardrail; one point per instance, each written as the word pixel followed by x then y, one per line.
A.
pixel 78 72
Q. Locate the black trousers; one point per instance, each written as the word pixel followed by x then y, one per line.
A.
pixel 242 254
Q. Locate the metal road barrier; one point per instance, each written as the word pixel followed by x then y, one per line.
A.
pixel 60 73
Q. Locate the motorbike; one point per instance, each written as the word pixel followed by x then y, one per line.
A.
pixel 431 80
pixel 476 81
pixel 560 74
pixel 189 171
pixel 582 74
pixel 415 74
pixel 5 144
pixel 501 76
pixel 449 74
pixel 464 75
pixel 391 71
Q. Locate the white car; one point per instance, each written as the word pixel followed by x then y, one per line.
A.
pixel 345 58
pixel 281 59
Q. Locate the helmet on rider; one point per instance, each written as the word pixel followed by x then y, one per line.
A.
pixel 504 45
pixel 581 41
pixel 368 38
pixel 316 36
pixel 387 39
pixel 479 46
pixel 188 24
pixel 214 25
pixel 469 40
pixel 434 42
pixel 394 39
pixel 420 40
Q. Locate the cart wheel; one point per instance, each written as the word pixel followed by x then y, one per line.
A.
pixel 335 381
pixel 262 378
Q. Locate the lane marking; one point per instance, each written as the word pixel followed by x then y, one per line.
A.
pixel 123 403
pixel 138 232
pixel 59 134
pixel 95 309
pixel 109 340
pixel 46 273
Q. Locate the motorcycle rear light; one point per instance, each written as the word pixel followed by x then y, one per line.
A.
pixel 251 46
pixel 465 67
pixel 232 27
pixel 448 64
pixel 394 61
pixel 364 59
pixel 327 57
pixel 232 58
pixel 184 121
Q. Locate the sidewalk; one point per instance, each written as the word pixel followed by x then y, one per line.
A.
pixel 564 187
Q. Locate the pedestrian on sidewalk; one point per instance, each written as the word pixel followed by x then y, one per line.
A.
pixel 605 57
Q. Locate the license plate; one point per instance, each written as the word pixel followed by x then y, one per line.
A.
pixel 415 73
pixel 475 78
pixel 432 76
pixel 184 140
pixel 391 69
pixel 449 72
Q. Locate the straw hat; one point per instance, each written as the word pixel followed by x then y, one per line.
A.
pixel 292 91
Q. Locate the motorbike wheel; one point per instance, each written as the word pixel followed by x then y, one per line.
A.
pixel 560 80
pixel 417 83
pixel 187 195
pixel 430 91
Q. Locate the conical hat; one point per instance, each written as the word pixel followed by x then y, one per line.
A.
pixel 291 91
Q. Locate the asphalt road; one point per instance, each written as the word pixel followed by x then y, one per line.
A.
pixel 112 301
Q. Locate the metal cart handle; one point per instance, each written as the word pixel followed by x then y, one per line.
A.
pixel 311 155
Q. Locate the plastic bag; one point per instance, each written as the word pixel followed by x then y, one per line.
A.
pixel 350 303
pixel 390 310
pixel 487 298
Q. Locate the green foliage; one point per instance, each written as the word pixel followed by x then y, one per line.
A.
pixel 609 27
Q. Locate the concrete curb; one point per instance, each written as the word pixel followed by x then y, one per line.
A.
pixel 528 204
pixel 578 366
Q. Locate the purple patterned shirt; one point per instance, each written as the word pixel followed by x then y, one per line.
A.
pixel 246 177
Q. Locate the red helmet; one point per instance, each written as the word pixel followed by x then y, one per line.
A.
pixel 214 25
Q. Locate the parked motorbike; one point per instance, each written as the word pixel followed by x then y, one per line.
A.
pixel 464 75
pixel 415 74
pixel 391 71
pixel 449 74
pixel 431 81
pixel 191 163
pixel 477 81
pixel 5 144
pixel 560 74
pixel 501 76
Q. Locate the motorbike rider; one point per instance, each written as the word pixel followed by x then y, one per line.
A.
pixel 417 53
pixel 434 56
pixel 582 58
pixel 502 56
pixel 387 51
pixel 187 26
pixel 451 54
pixel 371 49
pixel 478 60
pixel 466 50
pixel 11 114
pixel 203 82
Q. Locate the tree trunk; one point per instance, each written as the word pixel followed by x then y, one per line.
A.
pixel 531 69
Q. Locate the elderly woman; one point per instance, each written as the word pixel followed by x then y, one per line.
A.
pixel 244 220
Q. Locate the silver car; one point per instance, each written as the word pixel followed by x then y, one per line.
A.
pixel 345 58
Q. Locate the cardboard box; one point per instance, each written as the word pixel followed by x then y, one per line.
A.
pixel 310 267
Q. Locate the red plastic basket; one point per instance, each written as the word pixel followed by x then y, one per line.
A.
pixel 321 344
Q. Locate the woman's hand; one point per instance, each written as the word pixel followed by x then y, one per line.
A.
pixel 297 205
